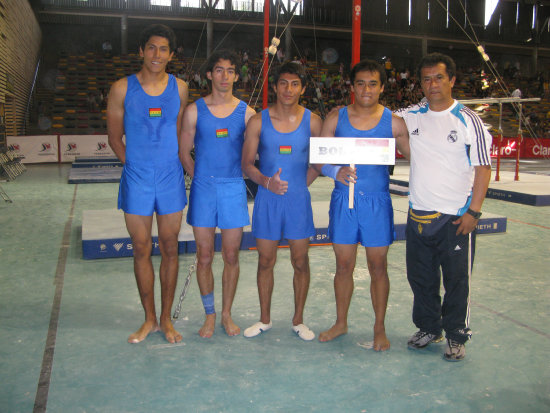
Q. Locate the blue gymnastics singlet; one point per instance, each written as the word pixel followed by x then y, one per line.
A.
pixel 219 142
pixel 152 176
pixel 370 178
pixel 150 123
pixel 288 151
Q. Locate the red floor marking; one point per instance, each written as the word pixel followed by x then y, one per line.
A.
pixel 527 223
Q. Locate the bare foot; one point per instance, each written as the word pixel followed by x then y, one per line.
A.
pixel 381 342
pixel 207 329
pixel 231 329
pixel 335 331
pixel 170 333
pixel 146 328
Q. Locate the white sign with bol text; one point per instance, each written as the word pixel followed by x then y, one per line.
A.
pixel 361 151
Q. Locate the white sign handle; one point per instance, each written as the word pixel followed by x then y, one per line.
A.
pixel 351 190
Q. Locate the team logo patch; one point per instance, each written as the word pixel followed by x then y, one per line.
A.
pixel 285 150
pixel 452 137
pixel 222 133
pixel 155 112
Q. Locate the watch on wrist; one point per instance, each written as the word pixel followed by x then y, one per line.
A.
pixel 473 213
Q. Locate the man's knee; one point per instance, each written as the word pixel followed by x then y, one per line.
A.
pixel 142 248
pixel 266 262
pixel 345 265
pixel 378 267
pixel 300 263
pixel 205 256
pixel 231 256
pixel 169 247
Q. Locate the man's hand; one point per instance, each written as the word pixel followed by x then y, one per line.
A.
pixel 276 185
pixel 347 174
pixel 466 224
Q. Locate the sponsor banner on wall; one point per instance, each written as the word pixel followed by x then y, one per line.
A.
pixel 72 146
pixel 508 147
pixel 535 148
pixel 34 149
pixel 530 148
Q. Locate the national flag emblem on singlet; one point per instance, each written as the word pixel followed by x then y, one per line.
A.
pixel 222 133
pixel 155 112
pixel 285 150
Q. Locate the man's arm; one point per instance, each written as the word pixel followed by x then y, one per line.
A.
pixel 401 135
pixel 187 138
pixel 316 125
pixel 344 174
pixel 183 91
pixel 115 118
pixel 467 223
pixel 250 149
pixel 249 113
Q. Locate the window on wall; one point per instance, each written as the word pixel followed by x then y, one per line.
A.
pixel 198 3
pixel 191 3
pixel 289 5
pixel 248 5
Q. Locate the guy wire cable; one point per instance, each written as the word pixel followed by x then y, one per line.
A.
pixel 491 68
pixel 500 81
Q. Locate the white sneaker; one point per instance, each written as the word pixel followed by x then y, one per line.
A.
pixel 257 329
pixel 303 332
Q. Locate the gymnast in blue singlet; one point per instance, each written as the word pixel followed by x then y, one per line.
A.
pixel 370 221
pixel 282 208
pixel 214 126
pixel 148 107
pixel 152 177
pixel 218 192
pixel 289 215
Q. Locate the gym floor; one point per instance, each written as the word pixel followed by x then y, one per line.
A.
pixel 65 320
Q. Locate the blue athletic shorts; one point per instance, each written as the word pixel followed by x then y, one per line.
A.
pixel 218 202
pixel 282 216
pixel 148 188
pixel 370 222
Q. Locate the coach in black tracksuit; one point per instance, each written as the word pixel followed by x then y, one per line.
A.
pixel 449 177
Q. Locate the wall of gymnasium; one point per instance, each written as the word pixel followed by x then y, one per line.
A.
pixel 20 38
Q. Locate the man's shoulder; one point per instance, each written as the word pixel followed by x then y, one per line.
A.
pixel 412 110
pixel 471 118
pixel 119 88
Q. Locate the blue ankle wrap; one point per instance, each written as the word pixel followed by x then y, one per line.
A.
pixel 208 303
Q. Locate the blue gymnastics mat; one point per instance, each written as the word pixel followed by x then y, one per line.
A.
pixel 104 233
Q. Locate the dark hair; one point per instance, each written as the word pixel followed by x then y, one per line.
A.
pixel 223 54
pixel 157 30
pixel 433 59
pixel 291 68
pixel 367 65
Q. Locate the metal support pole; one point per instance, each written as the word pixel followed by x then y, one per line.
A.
pixel 124 35
pixel 266 54
pixel 520 141
pixel 499 144
pixel 209 36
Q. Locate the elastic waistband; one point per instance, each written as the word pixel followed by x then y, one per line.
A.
pixel 150 164
pixel 217 179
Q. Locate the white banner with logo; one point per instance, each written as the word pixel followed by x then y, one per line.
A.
pixel 34 149
pixel 95 146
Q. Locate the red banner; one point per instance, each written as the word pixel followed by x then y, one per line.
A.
pixel 535 148
pixel 530 148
